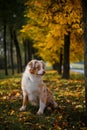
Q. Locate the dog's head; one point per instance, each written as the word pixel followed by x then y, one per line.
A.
pixel 37 67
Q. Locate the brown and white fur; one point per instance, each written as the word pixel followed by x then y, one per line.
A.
pixel 33 87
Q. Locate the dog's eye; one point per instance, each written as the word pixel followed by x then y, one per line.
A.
pixel 38 67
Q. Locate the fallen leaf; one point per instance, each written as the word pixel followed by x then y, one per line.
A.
pixel 84 128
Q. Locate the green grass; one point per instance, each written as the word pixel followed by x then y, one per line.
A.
pixel 10 75
pixel 76 76
pixel 69 95
pixel 77 65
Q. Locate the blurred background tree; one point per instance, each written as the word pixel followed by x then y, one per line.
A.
pixel 11 21
pixel 54 25
pixel 48 30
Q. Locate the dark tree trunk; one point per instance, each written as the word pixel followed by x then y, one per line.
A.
pixel 66 69
pixel 11 50
pixel 60 63
pixel 29 50
pixel 56 66
pixel 25 52
pixel 84 6
pixel 19 60
pixel 5 56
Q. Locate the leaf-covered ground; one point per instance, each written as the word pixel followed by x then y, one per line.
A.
pixel 69 115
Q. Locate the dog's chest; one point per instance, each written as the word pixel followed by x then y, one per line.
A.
pixel 33 87
pixel 30 86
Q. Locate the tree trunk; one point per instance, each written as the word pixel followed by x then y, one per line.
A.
pixel 19 60
pixel 66 68
pixel 5 56
pixel 25 52
pixel 11 50
pixel 56 66
pixel 29 50
pixel 60 64
pixel 84 6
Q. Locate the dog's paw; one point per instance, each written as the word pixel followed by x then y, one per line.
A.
pixel 23 108
pixel 39 112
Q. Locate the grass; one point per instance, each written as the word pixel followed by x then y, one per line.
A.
pixel 3 76
pixel 77 65
pixel 69 95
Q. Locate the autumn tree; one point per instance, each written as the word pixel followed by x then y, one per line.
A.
pixel 52 24
pixel 83 4
pixel 84 7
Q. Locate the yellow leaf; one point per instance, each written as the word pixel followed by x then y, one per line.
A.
pixel 4 97
pixel 84 128
pixel 17 94
pixel 60 117
pixel 12 112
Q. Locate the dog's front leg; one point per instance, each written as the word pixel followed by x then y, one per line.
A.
pixel 25 100
pixel 42 102
pixel 41 108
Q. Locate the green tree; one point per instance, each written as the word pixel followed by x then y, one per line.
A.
pixel 28 50
pixel 12 17
pixel 5 45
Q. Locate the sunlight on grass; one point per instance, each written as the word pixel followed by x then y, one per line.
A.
pixel 76 75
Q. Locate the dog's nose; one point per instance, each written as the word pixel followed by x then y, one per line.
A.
pixel 43 72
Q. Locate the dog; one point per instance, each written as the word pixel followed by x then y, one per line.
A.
pixel 34 89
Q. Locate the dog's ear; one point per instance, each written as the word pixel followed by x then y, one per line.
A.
pixel 43 63
pixel 30 64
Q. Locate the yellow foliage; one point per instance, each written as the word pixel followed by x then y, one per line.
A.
pixel 48 36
